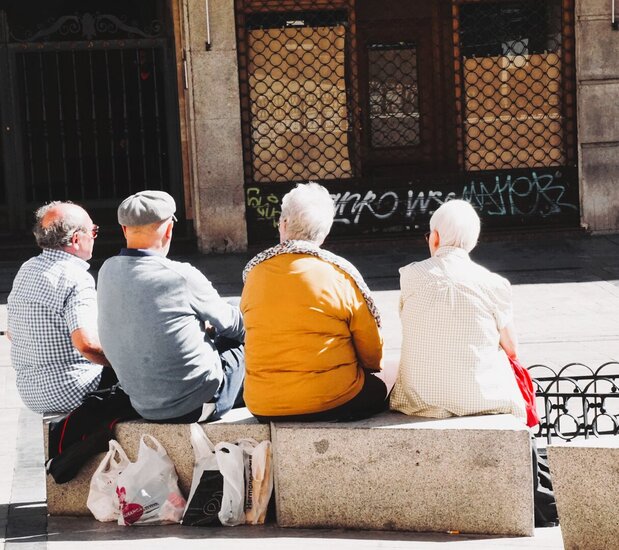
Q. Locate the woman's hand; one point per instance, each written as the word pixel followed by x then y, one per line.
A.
pixel 508 340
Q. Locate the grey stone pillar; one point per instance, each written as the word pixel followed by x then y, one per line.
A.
pixel 597 73
pixel 215 126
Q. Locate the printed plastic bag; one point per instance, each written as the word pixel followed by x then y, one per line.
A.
pixel 147 489
pixel 207 484
pixel 217 494
pixel 258 462
pixel 102 499
pixel 230 462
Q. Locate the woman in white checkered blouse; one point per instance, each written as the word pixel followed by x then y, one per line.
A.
pixel 457 329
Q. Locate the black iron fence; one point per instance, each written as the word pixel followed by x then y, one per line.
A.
pixel 577 401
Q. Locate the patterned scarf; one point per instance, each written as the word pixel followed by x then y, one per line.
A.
pixel 306 247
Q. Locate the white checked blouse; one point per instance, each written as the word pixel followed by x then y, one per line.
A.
pixel 451 364
pixel 53 294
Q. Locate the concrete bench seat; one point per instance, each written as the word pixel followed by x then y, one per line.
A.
pixel 69 499
pixel 585 478
pixel 396 472
pixel 390 472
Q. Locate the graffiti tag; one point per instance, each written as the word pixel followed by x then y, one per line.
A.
pixel 520 196
pixel 266 207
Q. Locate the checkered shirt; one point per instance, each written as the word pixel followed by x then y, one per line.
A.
pixel 451 364
pixel 53 294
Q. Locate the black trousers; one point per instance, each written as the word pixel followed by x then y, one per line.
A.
pixel 108 378
pixel 371 400
pixel 543 495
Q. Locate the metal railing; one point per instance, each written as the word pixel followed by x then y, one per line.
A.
pixel 577 401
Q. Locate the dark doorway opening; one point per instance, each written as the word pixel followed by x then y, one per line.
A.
pixel 88 106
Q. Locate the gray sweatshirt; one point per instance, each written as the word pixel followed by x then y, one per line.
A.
pixel 152 315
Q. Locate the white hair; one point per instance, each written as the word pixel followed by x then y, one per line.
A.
pixel 309 211
pixel 457 224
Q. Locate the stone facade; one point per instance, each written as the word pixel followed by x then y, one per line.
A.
pixel 597 73
pixel 213 113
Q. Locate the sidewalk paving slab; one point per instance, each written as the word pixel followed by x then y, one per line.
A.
pixel 566 302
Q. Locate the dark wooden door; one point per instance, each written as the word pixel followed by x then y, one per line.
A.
pixel 405 87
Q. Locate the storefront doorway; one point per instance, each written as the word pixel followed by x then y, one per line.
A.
pixel 399 105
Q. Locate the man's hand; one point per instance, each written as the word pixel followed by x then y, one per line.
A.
pixel 89 346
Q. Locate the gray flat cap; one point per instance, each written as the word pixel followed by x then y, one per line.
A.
pixel 146 207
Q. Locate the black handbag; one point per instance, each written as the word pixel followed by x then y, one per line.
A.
pixel 86 431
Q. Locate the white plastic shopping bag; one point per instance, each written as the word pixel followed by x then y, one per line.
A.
pixel 217 495
pixel 102 499
pixel 147 489
pixel 230 462
pixel 258 461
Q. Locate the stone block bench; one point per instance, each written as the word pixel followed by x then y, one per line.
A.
pixel 391 472
pixel 396 472
pixel 585 477
pixel 69 499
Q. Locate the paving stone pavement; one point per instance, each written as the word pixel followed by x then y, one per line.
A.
pixel 566 300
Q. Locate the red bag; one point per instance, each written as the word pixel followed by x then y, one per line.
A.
pixel 525 384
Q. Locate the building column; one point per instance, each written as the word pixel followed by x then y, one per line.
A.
pixel 597 73
pixel 214 120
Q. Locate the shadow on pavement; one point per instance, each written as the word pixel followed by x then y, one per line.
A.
pixel 85 529
pixel 532 259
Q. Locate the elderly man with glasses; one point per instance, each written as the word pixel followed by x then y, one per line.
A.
pixel 52 314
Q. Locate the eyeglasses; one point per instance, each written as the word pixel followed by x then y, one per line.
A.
pixel 427 236
pixel 93 232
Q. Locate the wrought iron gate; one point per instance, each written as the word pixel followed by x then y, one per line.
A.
pixel 89 113
pixel 398 106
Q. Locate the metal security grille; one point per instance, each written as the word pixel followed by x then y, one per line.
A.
pixel 402 105
pixel 515 78
pixel 297 109
pixel 94 121
pixel 393 95
pixel 88 105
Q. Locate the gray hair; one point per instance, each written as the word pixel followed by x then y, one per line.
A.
pixel 457 224
pixel 58 233
pixel 309 211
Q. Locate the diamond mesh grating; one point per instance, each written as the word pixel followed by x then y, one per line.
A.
pixel 298 109
pixel 517 98
pixel 393 95
pixel 499 96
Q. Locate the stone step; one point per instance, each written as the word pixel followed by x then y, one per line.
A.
pixel 470 474
pixel 69 499
pixel 584 478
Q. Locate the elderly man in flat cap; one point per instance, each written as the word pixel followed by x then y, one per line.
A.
pixel 175 344
pixel 52 314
